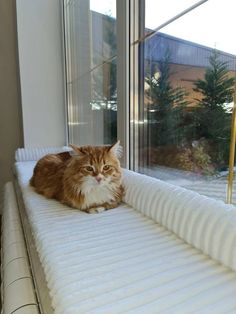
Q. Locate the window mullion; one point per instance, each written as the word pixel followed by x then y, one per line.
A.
pixel 123 42
pixel 134 85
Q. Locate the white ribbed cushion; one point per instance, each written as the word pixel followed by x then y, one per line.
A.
pixel 35 153
pixel 205 223
pixel 121 261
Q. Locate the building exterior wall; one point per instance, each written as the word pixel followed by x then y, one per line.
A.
pixel 185 75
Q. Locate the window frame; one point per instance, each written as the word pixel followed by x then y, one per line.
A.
pixel 123 78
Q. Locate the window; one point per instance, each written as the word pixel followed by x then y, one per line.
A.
pixel 186 77
pixel 159 75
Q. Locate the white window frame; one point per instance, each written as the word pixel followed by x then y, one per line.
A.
pixel 123 78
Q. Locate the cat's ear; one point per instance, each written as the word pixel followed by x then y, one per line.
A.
pixel 77 151
pixel 116 149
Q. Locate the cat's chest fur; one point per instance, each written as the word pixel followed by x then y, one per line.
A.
pixel 95 193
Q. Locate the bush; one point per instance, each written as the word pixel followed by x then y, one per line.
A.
pixel 195 157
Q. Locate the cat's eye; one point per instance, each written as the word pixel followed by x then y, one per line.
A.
pixel 89 168
pixel 106 167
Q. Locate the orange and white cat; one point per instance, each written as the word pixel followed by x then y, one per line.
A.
pixel 89 179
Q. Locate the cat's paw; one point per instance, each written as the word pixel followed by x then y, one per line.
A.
pixel 96 210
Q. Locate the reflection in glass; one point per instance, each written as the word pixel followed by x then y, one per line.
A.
pixel 90 40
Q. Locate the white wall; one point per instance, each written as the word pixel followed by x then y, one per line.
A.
pixel 41 72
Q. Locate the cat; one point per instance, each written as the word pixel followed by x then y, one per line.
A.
pixel 89 179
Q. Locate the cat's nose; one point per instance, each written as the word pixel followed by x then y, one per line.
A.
pixel 98 178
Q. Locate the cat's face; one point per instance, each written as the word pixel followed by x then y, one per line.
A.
pixel 96 166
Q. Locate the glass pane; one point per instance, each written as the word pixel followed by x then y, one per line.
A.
pixel 90 38
pixel 189 68
pixel 158 12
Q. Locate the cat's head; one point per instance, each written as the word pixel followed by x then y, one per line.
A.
pixel 97 165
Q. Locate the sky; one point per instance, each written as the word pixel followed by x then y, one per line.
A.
pixel 211 24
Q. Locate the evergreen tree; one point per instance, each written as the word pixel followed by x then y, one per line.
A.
pixel 167 107
pixel 212 116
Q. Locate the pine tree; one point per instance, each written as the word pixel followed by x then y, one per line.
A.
pixel 212 116
pixel 167 107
